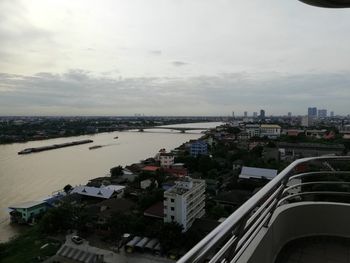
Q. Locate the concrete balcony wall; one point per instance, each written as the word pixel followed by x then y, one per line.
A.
pixel 294 221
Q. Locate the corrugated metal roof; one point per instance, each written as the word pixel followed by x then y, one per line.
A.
pixel 27 204
pixel 254 172
pixel 93 191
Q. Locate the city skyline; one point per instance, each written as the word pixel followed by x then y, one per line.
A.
pixel 171 58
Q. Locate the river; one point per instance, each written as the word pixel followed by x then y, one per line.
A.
pixel 32 176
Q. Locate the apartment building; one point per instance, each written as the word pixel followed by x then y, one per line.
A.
pixel 185 202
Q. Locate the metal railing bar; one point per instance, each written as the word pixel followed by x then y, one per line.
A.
pixel 221 253
pixel 263 217
pixel 221 232
pixel 248 224
pixel 312 193
pixel 263 206
pixel 318 173
pixel 246 244
pixel 313 183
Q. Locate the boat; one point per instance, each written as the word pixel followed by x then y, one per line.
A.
pixel 95 147
pixel 54 146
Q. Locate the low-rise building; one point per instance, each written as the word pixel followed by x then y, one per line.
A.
pixel 27 212
pixel 147 183
pixel 253 130
pixel 272 131
pixel 257 173
pixel 103 192
pixel 166 159
pixel 185 202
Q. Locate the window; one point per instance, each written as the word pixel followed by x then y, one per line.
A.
pixel 172 208
pixel 172 218
pixel 165 207
pixel 172 200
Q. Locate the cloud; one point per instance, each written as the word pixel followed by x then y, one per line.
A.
pixel 80 92
pixel 156 52
pixel 178 63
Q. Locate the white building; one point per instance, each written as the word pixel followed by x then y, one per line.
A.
pixel 253 130
pixel 271 131
pixel 166 159
pixel 185 202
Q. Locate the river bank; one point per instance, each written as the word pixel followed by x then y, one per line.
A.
pixel 37 175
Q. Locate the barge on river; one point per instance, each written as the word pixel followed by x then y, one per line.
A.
pixel 54 146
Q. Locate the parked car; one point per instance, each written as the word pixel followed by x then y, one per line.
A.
pixel 77 240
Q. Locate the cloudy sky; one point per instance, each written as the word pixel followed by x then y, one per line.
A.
pixel 172 57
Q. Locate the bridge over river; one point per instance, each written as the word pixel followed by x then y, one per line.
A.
pixel 180 129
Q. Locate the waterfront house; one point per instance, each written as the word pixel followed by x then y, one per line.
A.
pixel 104 192
pixel 27 212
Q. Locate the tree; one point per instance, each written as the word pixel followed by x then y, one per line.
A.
pixel 171 236
pixel 67 188
pixel 57 219
pixel 116 171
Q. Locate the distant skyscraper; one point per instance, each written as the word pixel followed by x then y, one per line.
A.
pixel 255 114
pixel 245 114
pixel 312 112
pixel 262 114
pixel 289 114
pixel 322 113
pixel 233 114
pixel 332 113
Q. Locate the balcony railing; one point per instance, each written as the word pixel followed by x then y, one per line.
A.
pixel 310 179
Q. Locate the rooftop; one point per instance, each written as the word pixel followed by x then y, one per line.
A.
pixel 102 192
pixel 26 205
pixel 254 172
pixel 156 210
pixel 150 168
pixel 274 126
pixel 184 185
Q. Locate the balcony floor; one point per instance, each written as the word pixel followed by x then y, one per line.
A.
pixel 316 250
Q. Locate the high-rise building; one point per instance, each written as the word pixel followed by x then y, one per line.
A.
pixel 312 112
pixel 322 113
pixel 185 202
pixel 332 113
pixel 255 114
pixel 289 114
pixel 245 114
pixel 233 114
pixel 262 114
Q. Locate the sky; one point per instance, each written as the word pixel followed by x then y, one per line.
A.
pixel 172 57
